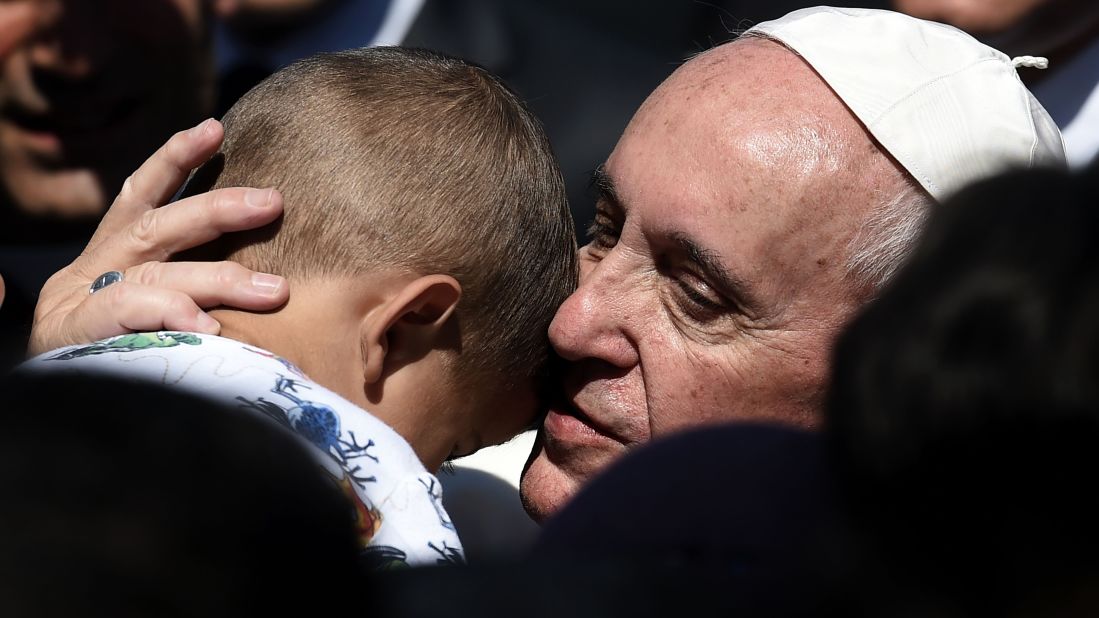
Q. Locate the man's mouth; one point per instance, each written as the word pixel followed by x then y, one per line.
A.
pixel 567 423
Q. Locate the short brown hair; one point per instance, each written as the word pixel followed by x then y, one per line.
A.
pixel 401 158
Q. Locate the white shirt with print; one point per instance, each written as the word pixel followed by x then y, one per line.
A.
pixel 398 502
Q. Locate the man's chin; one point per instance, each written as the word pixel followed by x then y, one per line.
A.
pixel 554 475
pixel 545 487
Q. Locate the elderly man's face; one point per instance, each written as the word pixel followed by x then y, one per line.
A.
pixel 715 281
pixel 91 88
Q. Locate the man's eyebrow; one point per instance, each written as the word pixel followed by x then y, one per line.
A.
pixel 710 264
pixel 604 188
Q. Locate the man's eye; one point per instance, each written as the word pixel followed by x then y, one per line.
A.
pixel 602 233
pixel 701 304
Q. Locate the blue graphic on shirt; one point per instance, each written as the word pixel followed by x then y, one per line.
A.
pixel 317 423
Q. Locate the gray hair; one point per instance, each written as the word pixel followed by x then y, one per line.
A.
pixel 887 237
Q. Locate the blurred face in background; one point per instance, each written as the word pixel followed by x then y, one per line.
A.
pixel 234 8
pixel 1014 26
pixel 261 17
pixel 975 16
pixel 88 89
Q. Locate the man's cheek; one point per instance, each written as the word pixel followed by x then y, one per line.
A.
pixel 697 404
pixel 705 386
pixel 16 24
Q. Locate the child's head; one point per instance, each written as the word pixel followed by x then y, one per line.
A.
pixel 400 160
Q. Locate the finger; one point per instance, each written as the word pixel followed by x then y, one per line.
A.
pixel 211 284
pixel 158 179
pixel 158 234
pixel 127 306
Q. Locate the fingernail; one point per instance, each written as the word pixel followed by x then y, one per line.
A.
pixel 202 127
pixel 267 285
pixel 258 198
pixel 206 324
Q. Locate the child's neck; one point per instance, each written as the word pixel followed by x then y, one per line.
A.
pixel 318 330
pixel 312 351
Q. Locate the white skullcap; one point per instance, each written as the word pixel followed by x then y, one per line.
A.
pixel 950 109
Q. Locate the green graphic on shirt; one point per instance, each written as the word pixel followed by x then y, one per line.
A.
pixel 134 342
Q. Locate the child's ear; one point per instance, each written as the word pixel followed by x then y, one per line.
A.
pixel 409 324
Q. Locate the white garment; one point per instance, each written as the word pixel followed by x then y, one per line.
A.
pixel 1071 96
pixel 399 503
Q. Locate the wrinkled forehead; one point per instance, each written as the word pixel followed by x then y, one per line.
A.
pixel 746 149
pixel 751 113
pixel 761 99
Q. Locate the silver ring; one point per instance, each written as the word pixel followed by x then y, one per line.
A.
pixel 110 277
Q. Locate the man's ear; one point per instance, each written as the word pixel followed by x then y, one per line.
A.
pixel 409 324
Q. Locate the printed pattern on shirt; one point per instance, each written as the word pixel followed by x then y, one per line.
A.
pixel 397 503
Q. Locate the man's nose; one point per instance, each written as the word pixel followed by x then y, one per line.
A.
pixel 594 322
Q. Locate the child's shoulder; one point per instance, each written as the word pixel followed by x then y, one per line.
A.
pixel 239 375
pixel 372 463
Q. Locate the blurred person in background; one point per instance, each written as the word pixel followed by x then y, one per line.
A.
pixel 723 521
pixel 85 80
pixel 87 89
pixel 964 412
pixel 16 19
pixel 124 499
pixel 255 38
pixel 1064 31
